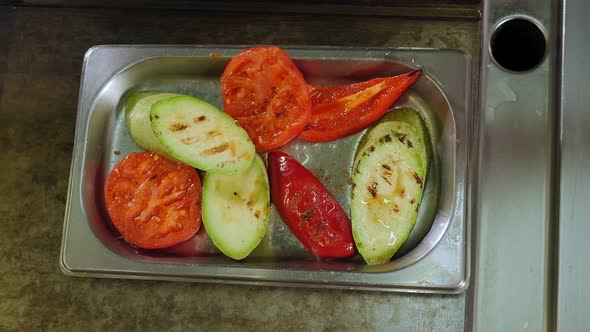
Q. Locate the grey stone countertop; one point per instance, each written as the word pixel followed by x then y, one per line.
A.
pixel 41 51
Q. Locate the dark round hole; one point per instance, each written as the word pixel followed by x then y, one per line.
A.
pixel 518 45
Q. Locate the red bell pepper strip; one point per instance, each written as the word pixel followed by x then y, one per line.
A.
pixel 343 110
pixel 309 209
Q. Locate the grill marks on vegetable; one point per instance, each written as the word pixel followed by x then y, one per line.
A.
pixel 215 150
pixel 404 140
pixel 356 169
pixel 199 119
pixel 373 189
pixel 178 127
pixel 250 201
pixel 418 179
pixel 385 139
pixel 390 168
pixel 210 134
pixel 386 179
pixel 237 209
pixel 401 191
pixel 189 140
pixel 200 135
pixel 387 172
pixel 213 133
pixel 307 215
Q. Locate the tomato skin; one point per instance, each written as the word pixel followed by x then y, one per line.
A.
pixel 309 209
pixel 267 95
pixel 344 110
pixel 153 202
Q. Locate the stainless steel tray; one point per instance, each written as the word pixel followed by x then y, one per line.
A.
pixel 438 263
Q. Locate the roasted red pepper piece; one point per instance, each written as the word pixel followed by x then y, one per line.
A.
pixel 309 209
pixel 343 110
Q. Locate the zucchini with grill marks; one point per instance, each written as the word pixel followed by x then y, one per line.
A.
pixel 198 134
pixel 388 183
pixel 236 209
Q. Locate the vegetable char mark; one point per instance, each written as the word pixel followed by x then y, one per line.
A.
pixel 178 127
pixel 199 119
pixel 189 140
pixel 385 139
pixel 356 169
pixel 386 179
pixel 417 178
pixel 373 189
pixel 213 133
pixel 401 191
pixel 386 174
pixel 387 170
pixel 216 149
pixel 403 138
pixel 307 215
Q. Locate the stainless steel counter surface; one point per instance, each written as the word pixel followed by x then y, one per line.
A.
pixel 41 52
pixel 514 269
pixel 573 298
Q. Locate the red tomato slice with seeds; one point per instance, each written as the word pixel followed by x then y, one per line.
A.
pixel 153 202
pixel 265 92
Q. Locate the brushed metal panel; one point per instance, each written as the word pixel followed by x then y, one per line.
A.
pixel 574 264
